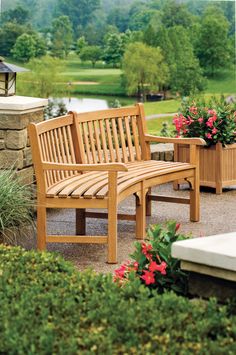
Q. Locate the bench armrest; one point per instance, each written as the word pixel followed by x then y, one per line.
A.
pixel 85 167
pixel 190 141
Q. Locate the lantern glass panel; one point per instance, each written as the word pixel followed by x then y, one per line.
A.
pixel 2 83
pixel 11 83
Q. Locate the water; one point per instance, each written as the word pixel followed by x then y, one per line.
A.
pixel 84 105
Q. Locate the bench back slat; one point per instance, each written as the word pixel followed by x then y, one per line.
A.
pixel 52 141
pixel 113 135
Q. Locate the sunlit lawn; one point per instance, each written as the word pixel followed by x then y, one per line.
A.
pixel 155 125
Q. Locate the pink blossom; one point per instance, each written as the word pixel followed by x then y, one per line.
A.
pixel 200 119
pixel 153 266
pixel 146 248
pixel 214 131
pixel 162 268
pixel 208 135
pixel 148 277
pixel 212 112
pixel 193 109
pixel 209 123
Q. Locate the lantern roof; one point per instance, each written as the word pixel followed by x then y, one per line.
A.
pixel 10 68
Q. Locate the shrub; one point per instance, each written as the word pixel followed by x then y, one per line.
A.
pixel 46 307
pixel 214 122
pixel 152 262
pixel 15 204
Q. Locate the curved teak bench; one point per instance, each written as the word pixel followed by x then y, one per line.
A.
pixel 96 160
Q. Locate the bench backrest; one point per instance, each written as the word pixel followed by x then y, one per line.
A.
pixel 113 135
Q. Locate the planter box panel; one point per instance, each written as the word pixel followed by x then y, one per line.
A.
pixel 217 165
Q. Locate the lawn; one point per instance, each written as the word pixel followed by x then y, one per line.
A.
pixel 154 126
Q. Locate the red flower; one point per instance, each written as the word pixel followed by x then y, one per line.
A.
pixel 214 131
pixel 162 268
pixel 212 112
pixel 200 119
pixel 209 123
pixel 148 277
pixel 153 266
pixel 208 135
pixel 193 110
pixel 146 248
pixel 120 272
pixel 177 227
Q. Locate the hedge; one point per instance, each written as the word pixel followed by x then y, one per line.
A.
pixel 47 307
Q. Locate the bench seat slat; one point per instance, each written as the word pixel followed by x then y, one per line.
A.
pixel 95 184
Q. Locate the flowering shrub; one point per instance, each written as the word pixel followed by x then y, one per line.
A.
pixel 152 262
pixel 214 122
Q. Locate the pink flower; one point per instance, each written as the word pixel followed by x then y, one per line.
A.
pixel 177 227
pixel 200 119
pixel 162 268
pixel 208 135
pixel 214 131
pixel 148 277
pixel 209 123
pixel 146 248
pixel 135 265
pixel 193 109
pixel 153 266
pixel 212 112
pixel 120 272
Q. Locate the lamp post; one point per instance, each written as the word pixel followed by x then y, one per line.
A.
pixel 8 77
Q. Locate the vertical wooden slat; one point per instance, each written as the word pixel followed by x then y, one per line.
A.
pixel 104 144
pixel 71 147
pixel 145 147
pixel 58 152
pixel 109 137
pixel 135 137
pixel 98 141
pixel 86 142
pixel 116 140
pixel 47 174
pixel 122 138
pixel 67 153
pixel 54 154
pixel 92 145
pixel 47 143
pixel 62 148
pixel 129 139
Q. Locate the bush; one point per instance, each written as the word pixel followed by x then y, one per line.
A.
pixel 153 264
pixel 46 307
pixel 15 204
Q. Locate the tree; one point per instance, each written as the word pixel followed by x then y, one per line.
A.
pixel 175 14
pixel 8 36
pixel 113 50
pixel 78 11
pixel 45 76
pixel 91 53
pixel 213 46
pixel 144 69
pixel 80 44
pixel 185 72
pixel 61 36
pixel 24 48
pixel 19 15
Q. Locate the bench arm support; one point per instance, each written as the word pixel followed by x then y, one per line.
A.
pixel 85 167
pixel 189 141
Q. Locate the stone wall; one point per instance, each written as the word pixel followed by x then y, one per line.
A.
pixel 15 115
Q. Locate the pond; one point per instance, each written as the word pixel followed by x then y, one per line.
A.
pixel 84 104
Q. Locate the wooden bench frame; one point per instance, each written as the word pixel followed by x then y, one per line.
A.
pixel 106 152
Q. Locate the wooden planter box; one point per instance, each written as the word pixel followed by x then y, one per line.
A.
pixel 217 165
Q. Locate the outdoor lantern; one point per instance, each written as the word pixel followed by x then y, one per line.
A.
pixel 8 78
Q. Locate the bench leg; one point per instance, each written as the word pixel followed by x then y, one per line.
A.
pixel 141 215
pixel 80 224
pixel 112 219
pixel 148 203
pixel 41 228
pixel 195 199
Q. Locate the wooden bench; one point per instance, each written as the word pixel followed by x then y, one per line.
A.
pixel 96 160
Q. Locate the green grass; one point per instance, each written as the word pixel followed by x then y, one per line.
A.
pixel 154 125
pixel 223 83
pixel 168 106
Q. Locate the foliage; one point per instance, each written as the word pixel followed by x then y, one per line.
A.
pixel 91 53
pixel 49 308
pixel 15 204
pixel 80 44
pixel 45 76
pixel 54 108
pixel 19 14
pixel 61 36
pixel 153 264
pixel 213 45
pixel 144 68
pixel 28 46
pixel 166 130
pixel 185 72
pixel 214 122
pixel 78 11
pixel 114 49
pixel 9 33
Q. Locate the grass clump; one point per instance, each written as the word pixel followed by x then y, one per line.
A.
pixel 47 307
pixel 15 205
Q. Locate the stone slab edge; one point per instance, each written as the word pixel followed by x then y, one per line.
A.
pixel 217 251
pixel 13 104
pixel 209 270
